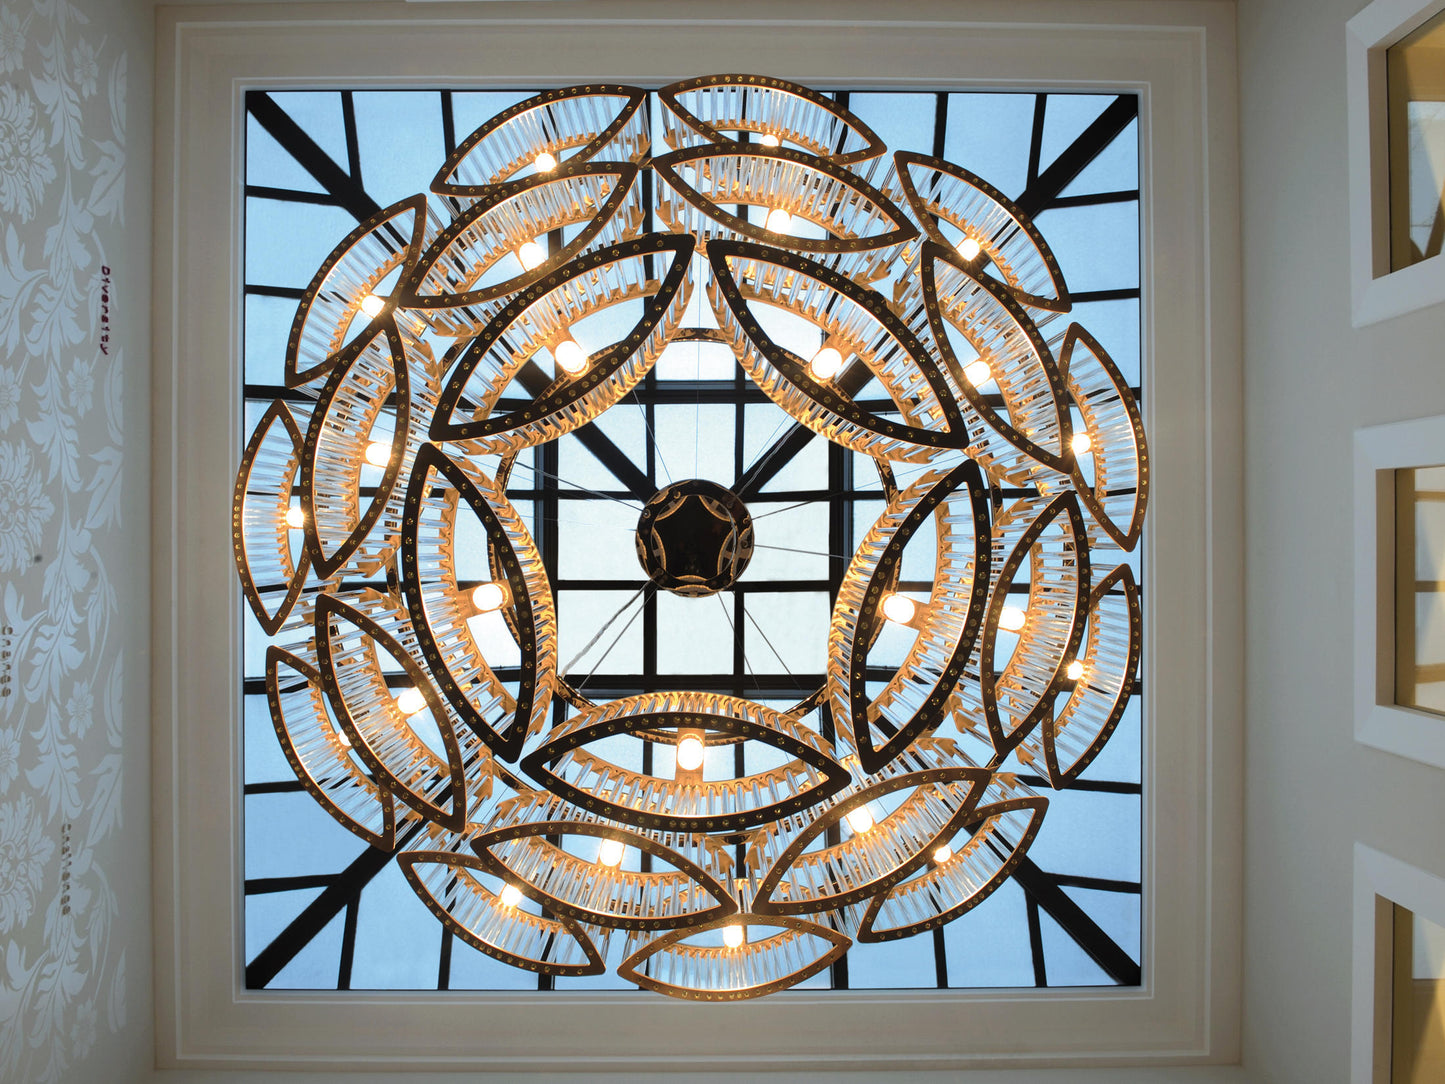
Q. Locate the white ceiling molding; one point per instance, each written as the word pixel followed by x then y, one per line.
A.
pixel 1187 1011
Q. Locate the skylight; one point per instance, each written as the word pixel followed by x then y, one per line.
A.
pixel 325 911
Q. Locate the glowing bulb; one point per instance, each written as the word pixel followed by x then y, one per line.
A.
pixel 611 851
pixel 410 701
pixel 860 819
pixel 544 162
pixel 511 895
pixel 343 739
pixel 532 255
pixel 779 221
pixel 969 249
pixel 899 608
pixel 733 935
pixel 1081 443
pixel 1012 619
pixel 487 597
pixel 770 140
pixel 1075 670
pixel 978 372
pixel 295 517
pixel 825 364
pixel 371 304
pixel 943 854
pixel 689 754
pixel 571 358
pixel 378 453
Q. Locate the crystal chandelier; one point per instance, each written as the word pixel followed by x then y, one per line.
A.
pixel 442 339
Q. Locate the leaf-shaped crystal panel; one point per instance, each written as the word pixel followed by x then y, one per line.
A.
pixel 975 321
pixel 440 488
pixel 369 422
pixel 412 747
pixel 1111 474
pixel 687 802
pixel 691 889
pixel 716 107
pixel 571 125
pixel 776 952
pixel 639 308
pixel 453 887
pixel 320 752
pixel 480 257
pixel 992 841
pixel 1045 540
pixel 946 625
pixel 358 388
pixel 873 343
pixel 956 207
pixel 1068 742
pixel 831 214
pixel 390 239
pixel 896 817
pixel 264 526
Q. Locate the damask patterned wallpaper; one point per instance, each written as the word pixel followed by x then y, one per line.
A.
pixel 62 173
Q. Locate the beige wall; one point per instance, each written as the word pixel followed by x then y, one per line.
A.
pixel 1310 381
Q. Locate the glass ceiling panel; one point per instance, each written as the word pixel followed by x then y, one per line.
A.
pixel 324 911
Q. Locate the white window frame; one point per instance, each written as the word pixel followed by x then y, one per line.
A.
pixel 1182 65
pixel 1381 881
pixel 1381 450
pixel 1377 293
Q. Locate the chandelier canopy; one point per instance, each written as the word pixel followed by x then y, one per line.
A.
pixel 898 306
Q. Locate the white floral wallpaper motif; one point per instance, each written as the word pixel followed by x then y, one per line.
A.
pixel 62 156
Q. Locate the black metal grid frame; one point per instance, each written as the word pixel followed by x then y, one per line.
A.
pixel 340 894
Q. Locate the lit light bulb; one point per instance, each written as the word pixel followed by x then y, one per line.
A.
pixel 378 453
pixel 825 364
pixel 487 597
pixel 610 853
pixel 1012 619
pixel 733 935
pixel 371 304
pixel 295 517
pixel 571 358
pixel 860 819
pixel 1075 670
pixel 532 255
pixel 978 372
pixel 1081 443
pixel 511 895
pixel 779 221
pixel 969 249
pixel 899 608
pixel 545 162
pixel 342 737
pixel 689 754
pixel 943 854
pixel 770 140
pixel 410 701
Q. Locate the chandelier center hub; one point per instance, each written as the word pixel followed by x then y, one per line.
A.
pixel 694 538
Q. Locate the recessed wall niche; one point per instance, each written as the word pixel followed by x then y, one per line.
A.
pixel 1420 588
pixel 1395 70
pixel 1398 1034
pixel 1415 120
pixel 1400 588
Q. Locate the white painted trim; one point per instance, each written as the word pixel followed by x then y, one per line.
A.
pixel 1380 450
pixel 1377 293
pixel 1380 879
pixel 1182 63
